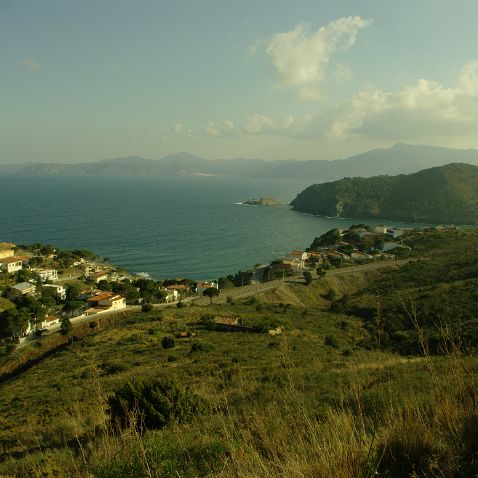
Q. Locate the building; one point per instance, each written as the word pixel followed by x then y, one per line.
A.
pixel 11 264
pixel 47 274
pixel 48 322
pixel 105 301
pixel 297 258
pixel 21 290
pixel 57 291
pixel 202 286
pixel 171 295
pixel 97 277
pixel 180 289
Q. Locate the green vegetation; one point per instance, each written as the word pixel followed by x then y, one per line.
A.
pixel 330 396
pixel 446 194
pixel 151 404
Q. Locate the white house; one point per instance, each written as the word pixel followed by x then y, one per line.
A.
pixel 106 301
pixel 171 295
pixel 48 322
pixel 55 290
pixel 202 286
pixel 11 264
pixel 98 276
pixel 296 259
pixel 47 274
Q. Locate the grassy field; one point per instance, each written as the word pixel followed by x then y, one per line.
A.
pixel 310 402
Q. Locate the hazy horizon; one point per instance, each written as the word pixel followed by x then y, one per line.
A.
pixel 89 81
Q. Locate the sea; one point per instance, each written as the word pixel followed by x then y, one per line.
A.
pixel 167 227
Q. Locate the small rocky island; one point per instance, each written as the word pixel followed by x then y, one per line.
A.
pixel 262 202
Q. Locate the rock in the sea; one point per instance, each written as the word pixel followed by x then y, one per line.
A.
pixel 262 202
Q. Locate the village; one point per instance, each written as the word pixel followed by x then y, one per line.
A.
pixel 44 289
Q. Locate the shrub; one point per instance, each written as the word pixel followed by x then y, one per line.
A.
pixel 146 307
pixel 168 342
pixel 172 358
pixel 156 403
pixel 180 305
pixel 409 451
pixel 200 347
pixel 111 368
pixel 331 341
pixel 331 295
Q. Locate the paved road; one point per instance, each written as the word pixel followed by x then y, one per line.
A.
pixel 235 293
pixel 253 289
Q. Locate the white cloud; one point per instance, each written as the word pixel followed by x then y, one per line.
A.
pixel 300 56
pixel 30 64
pixel 252 126
pixel 257 124
pixel 423 110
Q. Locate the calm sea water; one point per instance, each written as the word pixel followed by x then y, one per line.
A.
pixel 167 227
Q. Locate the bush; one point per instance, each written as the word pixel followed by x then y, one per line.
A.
pixel 331 295
pixel 111 368
pixel 331 341
pixel 156 403
pixel 146 307
pixel 180 305
pixel 200 347
pixel 168 342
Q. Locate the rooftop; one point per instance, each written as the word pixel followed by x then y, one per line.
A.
pixel 22 286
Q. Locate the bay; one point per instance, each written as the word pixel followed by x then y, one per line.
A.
pixel 164 226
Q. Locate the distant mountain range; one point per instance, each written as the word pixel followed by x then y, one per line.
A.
pixel 398 159
pixel 446 194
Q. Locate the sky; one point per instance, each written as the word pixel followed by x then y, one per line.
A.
pixel 273 79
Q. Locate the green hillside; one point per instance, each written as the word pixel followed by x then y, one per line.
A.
pixel 446 194
pixel 379 382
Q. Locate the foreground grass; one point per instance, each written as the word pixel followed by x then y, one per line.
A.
pixel 310 402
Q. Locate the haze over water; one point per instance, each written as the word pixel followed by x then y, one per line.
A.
pixel 167 227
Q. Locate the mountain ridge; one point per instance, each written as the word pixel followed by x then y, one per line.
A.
pixel 399 159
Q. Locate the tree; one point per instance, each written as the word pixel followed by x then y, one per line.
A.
pixel 210 292
pixel 73 306
pixel 104 285
pixel 72 293
pixel 243 278
pixel 307 277
pixel 66 327
pixel 13 322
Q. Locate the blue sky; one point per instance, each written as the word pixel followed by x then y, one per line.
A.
pixel 87 80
